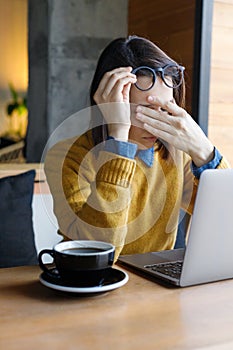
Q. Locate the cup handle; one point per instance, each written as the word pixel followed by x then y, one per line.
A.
pixel 43 266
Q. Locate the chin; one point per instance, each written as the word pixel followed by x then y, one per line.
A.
pixel 149 141
pixel 144 142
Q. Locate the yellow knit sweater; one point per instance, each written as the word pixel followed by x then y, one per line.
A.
pixel 99 195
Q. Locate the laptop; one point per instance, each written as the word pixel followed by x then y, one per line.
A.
pixel 208 255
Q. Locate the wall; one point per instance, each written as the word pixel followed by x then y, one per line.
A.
pixel 170 24
pixel 13 57
pixel 71 35
pixel 221 84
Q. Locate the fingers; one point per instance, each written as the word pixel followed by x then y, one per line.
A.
pixel 171 123
pixel 168 106
pixel 167 112
pixel 114 77
pixel 159 133
pixel 164 119
pixel 157 125
pixel 125 92
pixel 113 84
pixel 149 115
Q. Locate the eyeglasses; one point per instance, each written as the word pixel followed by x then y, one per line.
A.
pixel 172 76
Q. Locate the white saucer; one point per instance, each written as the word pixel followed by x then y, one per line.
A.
pixel 116 279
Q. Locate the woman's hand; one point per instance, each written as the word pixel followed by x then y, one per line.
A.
pixel 171 123
pixel 112 96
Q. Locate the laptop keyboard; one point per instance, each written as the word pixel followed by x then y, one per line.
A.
pixel 172 269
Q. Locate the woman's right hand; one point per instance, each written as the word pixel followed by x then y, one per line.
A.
pixel 112 96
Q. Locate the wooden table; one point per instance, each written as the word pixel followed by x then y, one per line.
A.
pixel 140 315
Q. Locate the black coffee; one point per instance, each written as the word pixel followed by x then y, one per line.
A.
pixel 82 250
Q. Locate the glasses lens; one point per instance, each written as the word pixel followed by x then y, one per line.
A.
pixel 173 76
pixel 145 79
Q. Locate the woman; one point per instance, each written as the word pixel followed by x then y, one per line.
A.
pixel 126 180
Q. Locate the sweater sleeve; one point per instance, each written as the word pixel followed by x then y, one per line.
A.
pixel 92 196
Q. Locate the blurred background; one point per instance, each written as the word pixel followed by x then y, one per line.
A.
pixel 49 50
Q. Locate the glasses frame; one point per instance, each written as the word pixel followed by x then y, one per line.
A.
pixel 160 70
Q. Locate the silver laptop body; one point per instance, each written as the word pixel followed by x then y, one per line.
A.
pixel 208 256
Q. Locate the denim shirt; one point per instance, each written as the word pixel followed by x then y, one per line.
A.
pixel 130 150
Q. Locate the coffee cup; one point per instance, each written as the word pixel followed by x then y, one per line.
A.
pixel 82 263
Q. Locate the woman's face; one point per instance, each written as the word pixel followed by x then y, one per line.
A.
pixel 138 97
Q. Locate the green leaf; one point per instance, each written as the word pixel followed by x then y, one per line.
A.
pixel 21 109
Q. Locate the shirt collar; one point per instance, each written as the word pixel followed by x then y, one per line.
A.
pixel 146 155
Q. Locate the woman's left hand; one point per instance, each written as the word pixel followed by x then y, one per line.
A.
pixel 171 123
